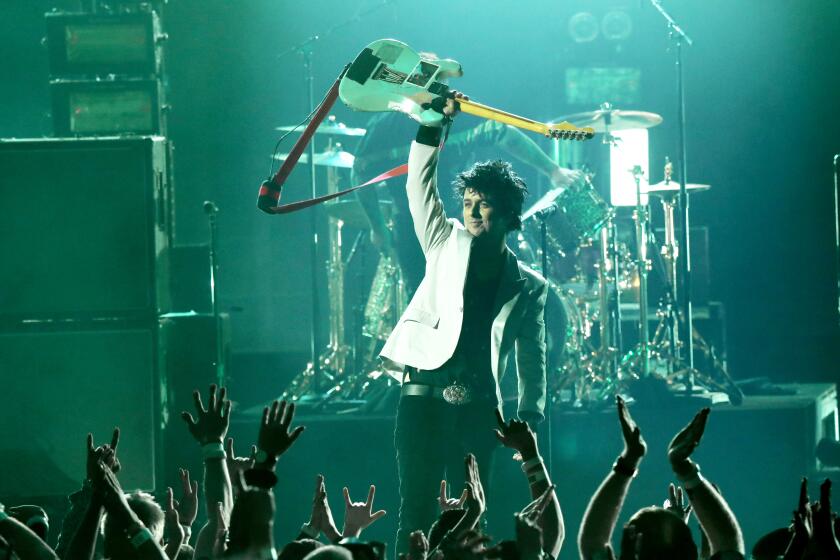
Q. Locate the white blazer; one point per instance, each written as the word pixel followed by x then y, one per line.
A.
pixel 427 333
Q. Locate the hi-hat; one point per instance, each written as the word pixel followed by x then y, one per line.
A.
pixel 666 187
pixel 332 158
pixel 603 120
pixel 329 127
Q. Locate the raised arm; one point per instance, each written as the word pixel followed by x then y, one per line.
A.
pixel 604 507
pixel 518 436
pixel 81 544
pixel 208 428
pixel 711 509
pixel 424 201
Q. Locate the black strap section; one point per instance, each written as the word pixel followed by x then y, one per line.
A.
pixel 429 135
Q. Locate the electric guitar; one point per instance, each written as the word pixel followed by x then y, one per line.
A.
pixel 388 75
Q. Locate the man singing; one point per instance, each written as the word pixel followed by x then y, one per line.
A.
pixel 475 304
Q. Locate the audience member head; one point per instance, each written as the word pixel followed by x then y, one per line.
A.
pixel 297 550
pixel 772 545
pixel 329 552
pixel 664 536
pixel 443 524
pixel 116 544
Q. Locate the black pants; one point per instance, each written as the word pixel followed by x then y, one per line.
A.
pixel 432 438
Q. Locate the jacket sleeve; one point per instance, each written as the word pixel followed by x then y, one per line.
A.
pixel 424 203
pixel 530 355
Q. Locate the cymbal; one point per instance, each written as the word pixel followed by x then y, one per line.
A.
pixel 666 187
pixel 328 127
pixel 613 119
pixel 333 158
pixel 350 212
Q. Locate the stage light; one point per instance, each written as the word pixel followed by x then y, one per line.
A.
pixel 583 27
pixel 616 25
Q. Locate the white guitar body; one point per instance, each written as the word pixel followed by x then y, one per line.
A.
pixel 388 75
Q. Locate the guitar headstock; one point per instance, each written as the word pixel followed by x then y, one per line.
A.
pixel 567 131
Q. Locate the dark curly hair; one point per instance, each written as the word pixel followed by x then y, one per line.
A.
pixel 497 180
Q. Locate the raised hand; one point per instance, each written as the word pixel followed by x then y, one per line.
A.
pixel 275 438
pixel 236 464
pixel 824 543
pixel 418 546
pixel 172 526
pixel 447 503
pixel 211 423
pixel 686 441
pixel 357 515
pixel 187 506
pixel 475 491
pixel 677 503
pixel 516 435
pixel 321 518
pixel 634 444
pixel 106 453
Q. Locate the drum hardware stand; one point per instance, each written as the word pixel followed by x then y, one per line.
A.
pixel 678 36
pixel 641 219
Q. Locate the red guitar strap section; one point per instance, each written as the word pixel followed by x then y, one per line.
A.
pixel 269 194
pixel 295 206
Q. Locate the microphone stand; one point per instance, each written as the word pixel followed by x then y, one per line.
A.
pixel 306 48
pixel 679 37
pixel 837 226
pixel 211 210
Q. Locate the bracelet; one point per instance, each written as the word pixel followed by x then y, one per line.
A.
pixel 621 467
pixel 187 532
pixel 530 463
pixel 213 450
pixel 141 537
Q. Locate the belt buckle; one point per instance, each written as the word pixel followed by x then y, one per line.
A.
pixel 457 394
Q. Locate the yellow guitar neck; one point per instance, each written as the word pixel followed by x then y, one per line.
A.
pixel 487 112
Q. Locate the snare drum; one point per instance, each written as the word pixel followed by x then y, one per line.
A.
pixel 582 213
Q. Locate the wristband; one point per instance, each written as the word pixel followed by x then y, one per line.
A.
pixel 692 480
pixel 530 463
pixel 621 467
pixel 3 515
pixel 141 537
pixel 213 450
pixel 536 477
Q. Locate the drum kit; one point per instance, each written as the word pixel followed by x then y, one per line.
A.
pixel 571 235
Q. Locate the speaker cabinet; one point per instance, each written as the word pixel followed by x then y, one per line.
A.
pixel 85 232
pixel 58 386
